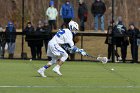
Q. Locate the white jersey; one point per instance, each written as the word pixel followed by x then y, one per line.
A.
pixel 63 36
pixel 54 50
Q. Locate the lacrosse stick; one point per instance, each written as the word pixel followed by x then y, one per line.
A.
pixel 104 60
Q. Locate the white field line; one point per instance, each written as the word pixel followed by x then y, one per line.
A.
pixel 70 86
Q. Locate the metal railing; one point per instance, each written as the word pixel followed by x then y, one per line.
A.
pixel 86 39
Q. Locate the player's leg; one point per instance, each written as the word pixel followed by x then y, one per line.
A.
pixel 59 63
pixel 49 64
pixel 49 53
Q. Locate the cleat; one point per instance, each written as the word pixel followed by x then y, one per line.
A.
pixel 41 72
pixel 57 71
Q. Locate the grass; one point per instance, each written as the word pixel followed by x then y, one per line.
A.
pixel 78 77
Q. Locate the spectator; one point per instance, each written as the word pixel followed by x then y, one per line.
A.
pixel 109 42
pixel 120 38
pixel 2 42
pixel 10 38
pixel 133 34
pixel 47 32
pixel 29 31
pixel 1 30
pixel 52 15
pixel 67 13
pixel 39 40
pixel 98 9
pixel 82 14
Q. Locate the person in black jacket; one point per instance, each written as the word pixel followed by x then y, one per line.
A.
pixel 121 40
pixel 133 35
pixel 10 38
pixel 98 9
pixel 109 42
pixel 47 33
pixel 39 40
pixel 82 14
pixel 2 42
pixel 29 31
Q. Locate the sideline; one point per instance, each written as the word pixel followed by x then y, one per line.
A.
pixel 51 86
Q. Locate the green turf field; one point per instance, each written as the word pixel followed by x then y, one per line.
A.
pixel 78 77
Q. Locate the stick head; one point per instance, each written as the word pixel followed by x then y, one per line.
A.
pixel 104 60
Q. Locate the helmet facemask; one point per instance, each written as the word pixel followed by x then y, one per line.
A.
pixel 74 27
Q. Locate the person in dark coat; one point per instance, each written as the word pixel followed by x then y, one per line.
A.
pixel 98 9
pixel 10 38
pixel 108 41
pixel 47 35
pixel 2 42
pixel 82 14
pixel 39 40
pixel 121 40
pixel 133 35
pixel 29 32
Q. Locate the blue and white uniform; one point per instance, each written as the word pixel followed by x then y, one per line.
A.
pixel 55 51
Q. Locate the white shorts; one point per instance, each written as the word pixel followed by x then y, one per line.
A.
pixel 55 51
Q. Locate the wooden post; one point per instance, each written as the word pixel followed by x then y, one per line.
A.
pixel 126 11
pixel 22 50
pixel 113 48
pixel 58 9
pixel 81 45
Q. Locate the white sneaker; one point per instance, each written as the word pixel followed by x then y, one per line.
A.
pixel 57 71
pixel 117 61
pixel 119 58
pixel 41 72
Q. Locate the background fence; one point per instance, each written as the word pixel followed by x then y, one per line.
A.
pixel 34 10
pixel 93 43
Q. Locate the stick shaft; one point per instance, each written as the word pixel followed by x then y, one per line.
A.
pixel 92 56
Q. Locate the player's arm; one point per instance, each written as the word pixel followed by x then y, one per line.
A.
pixel 75 49
pixel 76 39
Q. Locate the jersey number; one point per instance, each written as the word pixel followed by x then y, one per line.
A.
pixel 60 32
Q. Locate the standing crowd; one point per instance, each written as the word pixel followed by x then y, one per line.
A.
pixel 98 9
pixel 36 37
pixel 122 37
pixel 42 34
pixel 7 40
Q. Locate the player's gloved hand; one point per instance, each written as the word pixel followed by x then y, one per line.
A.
pixel 82 52
pixel 73 49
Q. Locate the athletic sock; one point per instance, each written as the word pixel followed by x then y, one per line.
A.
pixel 45 67
pixel 57 66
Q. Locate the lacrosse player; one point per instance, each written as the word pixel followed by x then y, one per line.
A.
pixel 56 52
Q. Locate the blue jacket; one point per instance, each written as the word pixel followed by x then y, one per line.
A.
pixel 67 11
